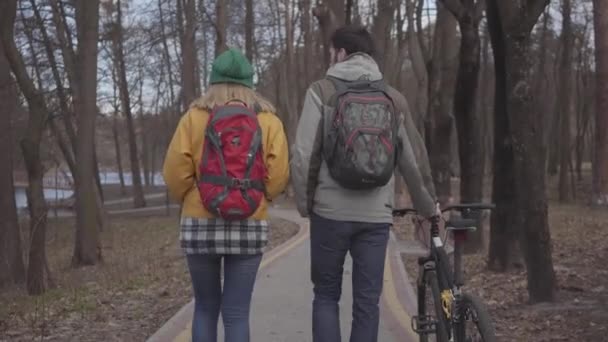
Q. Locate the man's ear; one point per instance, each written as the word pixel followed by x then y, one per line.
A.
pixel 342 55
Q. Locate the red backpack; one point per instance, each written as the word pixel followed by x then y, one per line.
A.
pixel 232 169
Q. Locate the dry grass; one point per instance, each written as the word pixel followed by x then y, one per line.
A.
pixel 141 283
pixel 580 250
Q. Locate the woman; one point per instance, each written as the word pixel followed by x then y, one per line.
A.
pixel 224 205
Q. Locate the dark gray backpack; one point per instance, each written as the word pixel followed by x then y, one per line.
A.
pixel 361 145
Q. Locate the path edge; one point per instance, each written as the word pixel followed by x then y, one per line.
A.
pixel 180 321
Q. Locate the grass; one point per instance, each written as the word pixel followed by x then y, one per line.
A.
pixel 142 282
pixel 579 249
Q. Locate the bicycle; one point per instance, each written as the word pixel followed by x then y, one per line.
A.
pixel 453 307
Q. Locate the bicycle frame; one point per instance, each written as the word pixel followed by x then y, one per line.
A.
pixel 450 281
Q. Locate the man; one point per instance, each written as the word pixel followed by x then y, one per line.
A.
pixel 350 208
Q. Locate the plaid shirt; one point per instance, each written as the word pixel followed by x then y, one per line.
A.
pixel 217 236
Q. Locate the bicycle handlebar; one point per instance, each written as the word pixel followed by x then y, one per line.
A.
pixel 459 207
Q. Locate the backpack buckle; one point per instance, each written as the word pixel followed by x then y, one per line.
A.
pixel 243 184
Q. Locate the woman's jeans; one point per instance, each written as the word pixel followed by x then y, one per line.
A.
pixel 235 300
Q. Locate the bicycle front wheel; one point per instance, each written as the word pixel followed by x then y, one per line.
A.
pixel 475 324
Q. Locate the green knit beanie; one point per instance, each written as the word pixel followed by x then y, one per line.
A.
pixel 232 66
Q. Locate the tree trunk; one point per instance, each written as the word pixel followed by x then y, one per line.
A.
pixel 145 148
pixel 328 22
pixel 87 249
pixel 529 151
pixel 339 9
pixel 123 85
pixel 504 226
pixel 468 124
pixel 167 59
pixel 12 268
pixel 249 29
pixel 381 31
pixel 600 161
pixel 221 12
pixel 440 120
pixel 30 146
pixel 419 66
pixel 566 100
pixel 349 12
pixel 61 94
pixel 190 80
pixel 304 8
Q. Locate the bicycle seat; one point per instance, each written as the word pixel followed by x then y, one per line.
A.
pixel 461 225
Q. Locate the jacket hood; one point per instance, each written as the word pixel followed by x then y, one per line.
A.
pixel 354 67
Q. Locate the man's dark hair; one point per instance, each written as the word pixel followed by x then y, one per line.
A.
pixel 353 38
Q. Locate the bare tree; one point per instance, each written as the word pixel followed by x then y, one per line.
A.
pixel 190 81
pixel 12 268
pixel 468 124
pixel 439 125
pixel 30 146
pixel 600 162
pixel 419 67
pixel 517 21
pixel 381 30
pixel 565 97
pixel 87 250
pixel 125 99
pixel 221 13
pixel 249 29
pixel 115 131
pixel 505 227
pixel 328 22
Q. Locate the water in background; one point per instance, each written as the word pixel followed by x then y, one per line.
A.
pixel 50 194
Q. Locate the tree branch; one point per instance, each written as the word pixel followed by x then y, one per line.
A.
pixel 480 6
pixel 455 7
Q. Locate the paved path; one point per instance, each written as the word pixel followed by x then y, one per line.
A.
pixel 282 300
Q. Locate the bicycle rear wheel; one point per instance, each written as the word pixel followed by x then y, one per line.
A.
pixel 430 310
pixel 475 324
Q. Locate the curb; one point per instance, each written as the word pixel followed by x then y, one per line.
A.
pixel 398 295
pixel 180 322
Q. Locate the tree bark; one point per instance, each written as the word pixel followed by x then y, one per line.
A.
pixel 419 66
pixel 123 85
pixel 504 226
pixel 381 31
pixel 529 151
pixel 12 268
pixel 600 162
pixel 249 29
pixel 565 99
pixel 468 124
pixel 328 22
pixel 190 80
pixel 339 9
pixel 87 250
pixel 441 89
pixel 145 148
pixel 221 12
pixel 167 60
pixel 30 146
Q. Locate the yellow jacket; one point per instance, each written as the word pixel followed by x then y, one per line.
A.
pixel 180 169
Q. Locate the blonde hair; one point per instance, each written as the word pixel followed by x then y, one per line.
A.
pixel 220 93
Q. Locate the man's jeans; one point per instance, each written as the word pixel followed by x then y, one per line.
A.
pixel 330 241
pixel 234 300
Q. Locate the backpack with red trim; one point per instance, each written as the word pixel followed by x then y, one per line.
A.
pixel 232 169
pixel 361 141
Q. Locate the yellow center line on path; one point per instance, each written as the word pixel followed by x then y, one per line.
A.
pixel 185 335
pixel 392 301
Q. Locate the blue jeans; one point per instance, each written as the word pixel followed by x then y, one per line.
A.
pixel 235 300
pixel 330 241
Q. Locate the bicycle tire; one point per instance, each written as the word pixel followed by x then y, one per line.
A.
pixel 483 324
pixel 441 334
